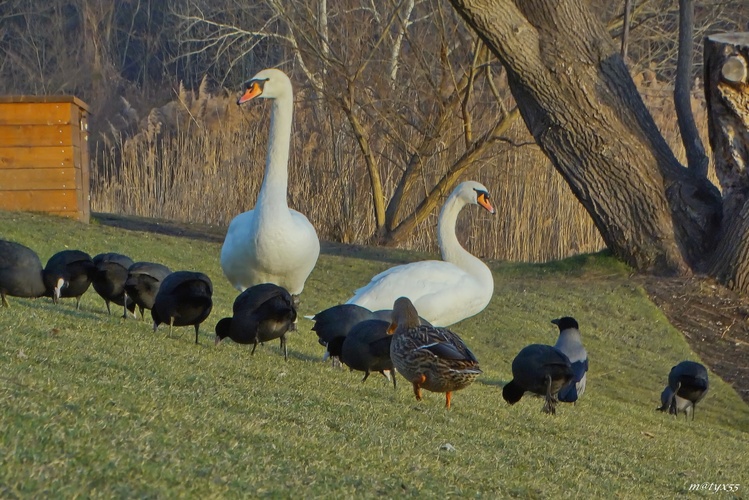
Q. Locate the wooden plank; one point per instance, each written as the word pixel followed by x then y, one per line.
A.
pixel 40 201
pixel 45 98
pixel 38 113
pixel 37 157
pixel 29 179
pixel 39 135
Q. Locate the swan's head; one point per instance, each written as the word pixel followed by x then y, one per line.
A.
pixel 476 193
pixel 270 83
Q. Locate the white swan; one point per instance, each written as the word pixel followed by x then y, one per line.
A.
pixel 443 292
pixel 271 243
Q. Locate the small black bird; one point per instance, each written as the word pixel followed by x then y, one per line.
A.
pixel 366 348
pixel 184 298
pixel 540 369
pixel 668 398
pixel 143 282
pixel 261 313
pixel 336 322
pixel 109 280
pixel 21 273
pixel 68 274
pixel 687 385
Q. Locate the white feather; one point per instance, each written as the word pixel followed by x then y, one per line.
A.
pixel 443 292
pixel 272 243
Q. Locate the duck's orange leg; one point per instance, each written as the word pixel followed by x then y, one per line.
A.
pixel 417 386
pixel 448 398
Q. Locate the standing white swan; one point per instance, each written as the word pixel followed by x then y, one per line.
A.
pixel 443 291
pixel 271 243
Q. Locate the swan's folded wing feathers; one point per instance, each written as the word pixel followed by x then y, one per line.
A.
pixel 417 279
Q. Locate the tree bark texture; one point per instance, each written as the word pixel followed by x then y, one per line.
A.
pixel 727 93
pixel 577 98
pixel 697 159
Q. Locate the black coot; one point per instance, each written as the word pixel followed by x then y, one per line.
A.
pixel 261 313
pixel 184 298
pixel 109 280
pixel 20 272
pixel 68 274
pixel 143 282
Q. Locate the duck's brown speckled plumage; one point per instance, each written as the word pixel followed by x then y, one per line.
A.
pixel 435 359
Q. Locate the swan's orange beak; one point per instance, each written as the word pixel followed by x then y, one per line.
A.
pixel 483 200
pixel 252 91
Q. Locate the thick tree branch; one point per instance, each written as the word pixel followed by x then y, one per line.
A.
pixel 578 100
pixel 696 158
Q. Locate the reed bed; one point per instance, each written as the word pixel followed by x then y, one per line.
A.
pixel 201 158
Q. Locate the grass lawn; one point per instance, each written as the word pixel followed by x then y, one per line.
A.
pixel 94 405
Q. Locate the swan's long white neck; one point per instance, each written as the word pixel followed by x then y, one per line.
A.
pixel 273 191
pixel 451 249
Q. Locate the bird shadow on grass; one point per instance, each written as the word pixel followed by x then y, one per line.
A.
pixel 492 382
pixel 303 357
pixel 183 334
pixel 274 350
pixel 72 312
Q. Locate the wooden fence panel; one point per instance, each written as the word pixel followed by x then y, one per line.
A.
pixel 22 179
pixel 37 113
pixel 44 161
pixel 41 157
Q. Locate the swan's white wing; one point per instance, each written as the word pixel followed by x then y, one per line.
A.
pixel 279 250
pixel 441 292
pixel 302 246
pixel 236 253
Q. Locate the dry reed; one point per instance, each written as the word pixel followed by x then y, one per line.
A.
pixel 201 159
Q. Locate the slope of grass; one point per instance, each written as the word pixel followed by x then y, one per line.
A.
pixel 100 406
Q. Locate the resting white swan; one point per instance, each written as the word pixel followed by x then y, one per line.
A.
pixel 272 243
pixel 443 292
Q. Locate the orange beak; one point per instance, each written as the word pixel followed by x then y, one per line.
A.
pixel 484 202
pixel 253 91
pixel 392 328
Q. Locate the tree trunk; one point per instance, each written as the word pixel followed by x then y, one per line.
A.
pixel 696 158
pixel 727 93
pixel 625 28
pixel 578 100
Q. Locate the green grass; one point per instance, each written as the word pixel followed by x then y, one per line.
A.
pixel 99 406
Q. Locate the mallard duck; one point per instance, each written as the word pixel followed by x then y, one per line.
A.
pixel 431 358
